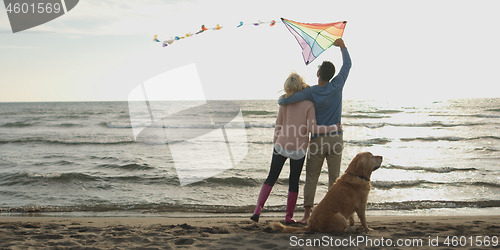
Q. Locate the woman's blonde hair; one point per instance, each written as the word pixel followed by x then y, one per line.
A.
pixel 293 84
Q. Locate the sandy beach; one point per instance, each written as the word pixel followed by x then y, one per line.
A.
pixel 424 232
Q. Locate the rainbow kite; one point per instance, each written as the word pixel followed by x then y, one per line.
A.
pixel 314 38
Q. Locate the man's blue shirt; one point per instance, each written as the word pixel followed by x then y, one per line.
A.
pixel 327 99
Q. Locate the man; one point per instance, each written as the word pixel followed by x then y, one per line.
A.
pixel 327 99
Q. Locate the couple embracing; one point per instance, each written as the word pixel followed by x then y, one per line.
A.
pixel 303 110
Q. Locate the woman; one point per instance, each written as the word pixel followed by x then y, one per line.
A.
pixel 291 139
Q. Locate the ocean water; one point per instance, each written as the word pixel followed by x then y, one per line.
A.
pixel 82 158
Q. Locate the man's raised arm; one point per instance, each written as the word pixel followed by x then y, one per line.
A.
pixel 346 65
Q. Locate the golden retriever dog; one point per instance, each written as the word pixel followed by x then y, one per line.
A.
pixel 348 194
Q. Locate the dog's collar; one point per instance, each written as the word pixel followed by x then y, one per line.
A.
pixel 359 176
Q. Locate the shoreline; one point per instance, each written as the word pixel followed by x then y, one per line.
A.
pixel 489 211
pixel 236 232
pixel 146 221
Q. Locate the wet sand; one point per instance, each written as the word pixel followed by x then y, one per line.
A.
pixel 422 232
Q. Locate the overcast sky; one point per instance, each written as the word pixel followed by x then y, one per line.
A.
pixel 401 50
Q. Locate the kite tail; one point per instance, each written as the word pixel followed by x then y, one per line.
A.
pixel 287 229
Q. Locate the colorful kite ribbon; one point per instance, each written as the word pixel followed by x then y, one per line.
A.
pixel 203 29
pixel 314 38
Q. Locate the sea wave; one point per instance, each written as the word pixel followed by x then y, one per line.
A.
pixel 69 125
pixel 259 125
pixel 384 111
pixel 450 138
pixel 363 116
pixel 128 167
pixel 115 141
pixel 138 208
pixel 367 142
pixel 125 125
pixel 258 113
pixel 472 115
pixel 138 176
pixel 119 125
pixel 262 142
pixel 5 163
pixel 20 124
pixel 64 142
pixel 31 178
pixel 417 183
pixel 60 163
pixel 429 169
pixel 488 149
pixel 228 181
pixel 133 177
pixel 432 204
pixel 424 124
pixel 437 124
pixel 122 125
pixel 107 158
pixel 83 115
pixel 155 208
